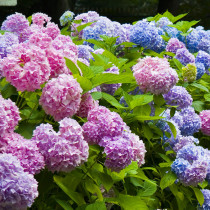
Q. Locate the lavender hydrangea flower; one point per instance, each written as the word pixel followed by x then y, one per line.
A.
pixel 174 44
pixel 205 122
pixel 18 189
pixel 178 96
pixel 204 58
pixel 119 153
pixel 111 88
pixel 66 17
pixel 206 204
pixel 9 116
pixel 16 23
pixel 62 151
pixel 26 151
pixel 102 122
pixel 184 56
pixel 61 97
pixel 84 51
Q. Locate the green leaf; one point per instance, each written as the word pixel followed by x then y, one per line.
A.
pixel 8 90
pixel 143 118
pixel 199 86
pixel 86 71
pixel 112 101
pixel 96 95
pixel 167 180
pixel 150 188
pixel 178 64
pixel 98 43
pixel 96 206
pixel 147 132
pixel 85 83
pixel 72 67
pixel 64 204
pixel 159 100
pixel 26 129
pixel 198 105
pixel 29 19
pixel 77 21
pixel 199 195
pixel 96 69
pixel 203 184
pixel 127 201
pixel 109 78
pixel 184 26
pixel 140 100
pixel 75 196
pixel 93 188
pixel 81 27
pixel 127 44
pixel 173 128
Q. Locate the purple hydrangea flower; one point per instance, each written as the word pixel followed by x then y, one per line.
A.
pixel 205 122
pixel 204 58
pixel 16 23
pixel 102 122
pixel 206 204
pixel 111 88
pixel 174 44
pixel 61 97
pixel 184 56
pixel 178 96
pixel 18 189
pixel 119 153
pixel 84 51
pixel 62 151
pixel 26 151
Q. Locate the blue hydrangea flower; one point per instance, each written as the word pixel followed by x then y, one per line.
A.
pixel 200 70
pixel 84 51
pixel 66 18
pixel 206 204
pixel 179 166
pixel 204 58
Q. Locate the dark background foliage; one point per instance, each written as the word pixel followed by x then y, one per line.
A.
pixel 124 11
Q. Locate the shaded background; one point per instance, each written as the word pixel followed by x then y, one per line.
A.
pixel 124 11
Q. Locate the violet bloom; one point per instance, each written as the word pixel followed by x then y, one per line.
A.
pixel 18 189
pixel 205 122
pixel 61 97
pixel 174 44
pixel 62 151
pixel 206 204
pixel 178 96
pixel 184 56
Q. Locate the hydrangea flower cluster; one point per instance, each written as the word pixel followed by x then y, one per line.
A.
pixel 107 129
pixel 62 151
pixel 18 189
pixel 189 72
pixel 155 75
pixel 6 43
pixel 61 97
pixel 9 116
pixel 200 70
pixel 188 121
pixel 87 103
pixel 84 51
pixel 174 44
pixel 205 122
pixel 204 58
pixel 146 35
pixel 184 56
pixel 206 204
pixel 190 165
pixel 88 17
pixel 111 88
pixel 26 151
pixel 178 96
pixel 66 18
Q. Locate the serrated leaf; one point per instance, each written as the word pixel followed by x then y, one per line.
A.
pixel 147 132
pixel 96 95
pixel 81 27
pixel 77 21
pixel 167 180
pixel 199 195
pixel 127 44
pixel 199 86
pixel 86 71
pixel 8 90
pixel 143 118
pixel 26 129
pixel 112 101
pixel 140 100
pixel 98 43
pixel 159 100
pixel 178 64
pixel 198 105
pixel 173 128
pixel 85 83
pixel 72 67
pixel 93 188
pixel 96 69
pixel 150 188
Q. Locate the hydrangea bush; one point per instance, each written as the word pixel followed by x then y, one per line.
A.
pixel 101 115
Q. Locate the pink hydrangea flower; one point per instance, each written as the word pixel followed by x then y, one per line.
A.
pixel 205 122
pixel 40 18
pixel 26 151
pixel 155 75
pixel 52 30
pixel 87 103
pixel 62 151
pixel 27 67
pixel 61 97
pixel 9 116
